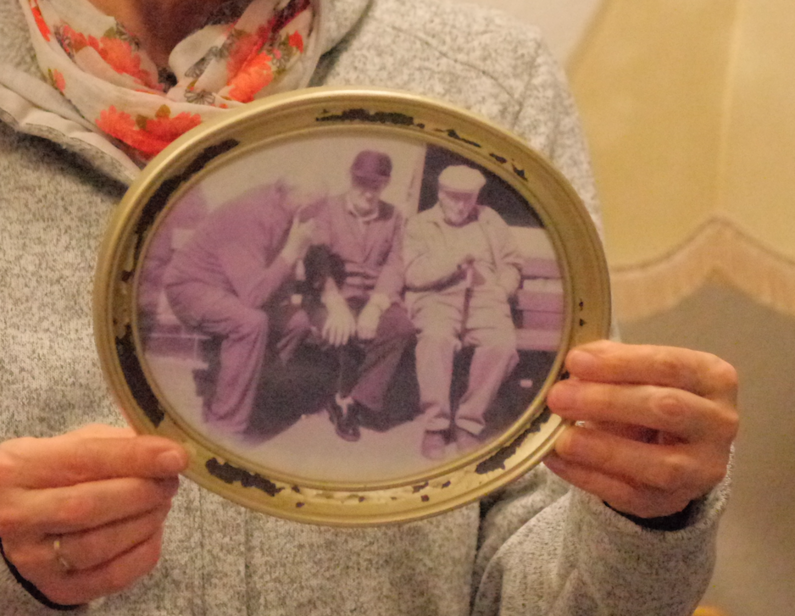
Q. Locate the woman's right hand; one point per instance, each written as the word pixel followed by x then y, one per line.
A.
pixel 82 514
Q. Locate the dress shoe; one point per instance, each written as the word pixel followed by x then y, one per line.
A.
pixel 343 413
pixel 336 410
pixel 433 444
pixel 373 420
pixel 466 441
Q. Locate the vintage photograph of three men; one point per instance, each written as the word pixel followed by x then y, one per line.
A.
pixel 350 308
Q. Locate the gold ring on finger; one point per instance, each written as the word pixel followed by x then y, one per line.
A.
pixel 65 565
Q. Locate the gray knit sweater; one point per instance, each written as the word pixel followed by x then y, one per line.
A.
pixel 537 547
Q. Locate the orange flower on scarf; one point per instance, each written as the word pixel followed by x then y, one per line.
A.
pixel 117 53
pixel 253 77
pixel 147 135
pixel 245 46
pixel 164 127
pixel 56 79
pixel 71 40
pixel 39 19
pixel 296 41
pixel 120 56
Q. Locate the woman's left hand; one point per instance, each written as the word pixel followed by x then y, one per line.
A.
pixel 655 425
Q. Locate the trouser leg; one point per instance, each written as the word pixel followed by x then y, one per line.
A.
pixel 348 363
pixel 435 354
pixel 290 327
pixel 491 365
pixel 244 340
pixel 382 355
pixel 242 355
pixel 344 355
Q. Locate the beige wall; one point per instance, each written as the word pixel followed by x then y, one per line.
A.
pixel 652 105
pixel 687 108
pixel 756 561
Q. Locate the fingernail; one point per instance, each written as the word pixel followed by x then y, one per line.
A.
pixel 170 462
pixel 561 396
pixel 581 361
pixel 170 485
pixel 554 463
pixel 565 446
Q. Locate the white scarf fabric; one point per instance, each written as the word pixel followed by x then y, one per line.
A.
pixel 248 49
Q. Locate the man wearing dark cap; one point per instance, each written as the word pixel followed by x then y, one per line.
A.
pixel 358 269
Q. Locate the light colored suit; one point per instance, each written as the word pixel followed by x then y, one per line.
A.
pixel 451 310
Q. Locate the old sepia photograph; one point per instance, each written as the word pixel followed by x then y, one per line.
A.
pixel 349 308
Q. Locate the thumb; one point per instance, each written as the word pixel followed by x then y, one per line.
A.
pixel 72 459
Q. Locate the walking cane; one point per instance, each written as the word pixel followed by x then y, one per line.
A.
pixel 469 282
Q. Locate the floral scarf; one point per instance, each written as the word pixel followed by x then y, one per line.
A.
pixel 247 49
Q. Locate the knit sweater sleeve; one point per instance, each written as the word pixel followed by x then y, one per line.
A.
pixel 19 601
pixel 549 123
pixel 549 550
pixel 546 548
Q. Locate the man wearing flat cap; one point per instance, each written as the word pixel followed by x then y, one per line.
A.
pixel 358 269
pixel 462 267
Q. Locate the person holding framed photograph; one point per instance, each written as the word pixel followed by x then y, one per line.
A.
pixel 94 514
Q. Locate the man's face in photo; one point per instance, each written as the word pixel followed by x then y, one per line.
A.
pixel 365 196
pixel 457 206
pixel 305 200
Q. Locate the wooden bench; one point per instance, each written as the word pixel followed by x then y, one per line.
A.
pixel 538 304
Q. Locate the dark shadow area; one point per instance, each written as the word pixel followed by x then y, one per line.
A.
pixel 307 383
pixel 515 394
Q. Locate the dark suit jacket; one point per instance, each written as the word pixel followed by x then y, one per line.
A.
pixel 363 258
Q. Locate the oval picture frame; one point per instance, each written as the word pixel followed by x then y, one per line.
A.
pixel 180 299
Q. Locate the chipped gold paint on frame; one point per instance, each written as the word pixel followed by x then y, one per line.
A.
pixel 320 112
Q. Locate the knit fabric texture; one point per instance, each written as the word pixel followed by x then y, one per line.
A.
pixel 537 547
